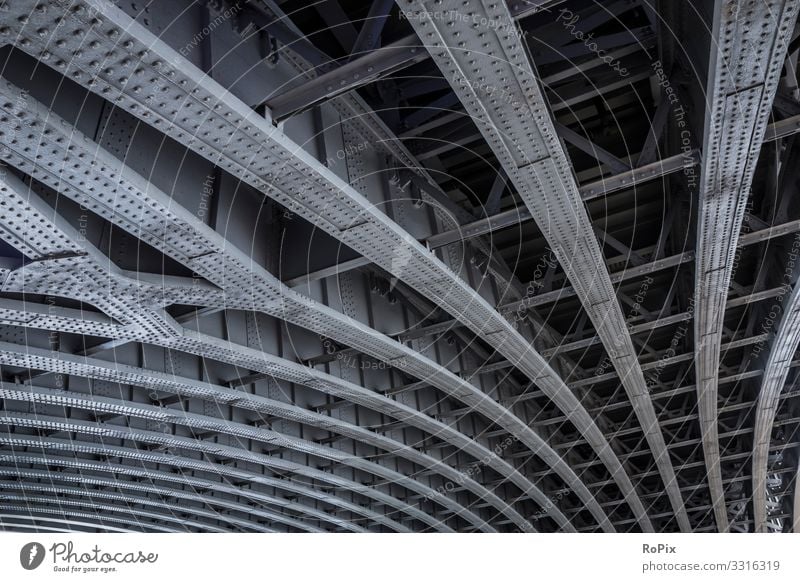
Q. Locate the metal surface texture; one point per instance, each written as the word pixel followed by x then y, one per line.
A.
pixel 292 177
pixel 518 129
pixel 399 266
pixel 741 86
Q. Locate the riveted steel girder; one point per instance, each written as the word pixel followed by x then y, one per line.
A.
pixel 248 286
pixel 291 177
pixel 47 482
pixel 740 88
pixel 500 91
pixel 11 192
pixel 194 482
pixel 780 359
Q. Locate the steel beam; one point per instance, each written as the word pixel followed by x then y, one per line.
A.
pixel 652 267
pixel 499 89
pixel 70 496
pixel 48 479
pixel 263 406
pixel 740 88
pixel 350 219
pixel 590 191
pixel 25 514
pixel 796 504
pixel 378 62
pixel 102 405
pixel 139 471
pixel 776 370
pixel 13 192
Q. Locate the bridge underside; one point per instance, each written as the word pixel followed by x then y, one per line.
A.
pixel 286 266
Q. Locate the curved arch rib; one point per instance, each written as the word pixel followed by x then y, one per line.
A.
pixel 45 422
pixel 198 483
pixel 290 306
pixel 164 492
pixel 518 128
pixel 109 405
pixel 92 368
pixel 784 346
pixel 34 519
pixel 95 285
pixel 195 464
pixel 182 524
pixel 740 89
pixel 292 177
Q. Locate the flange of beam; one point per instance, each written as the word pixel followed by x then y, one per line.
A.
pixel 148 213
pixel 747 49
pixel 499 90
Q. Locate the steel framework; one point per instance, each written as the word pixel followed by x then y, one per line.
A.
pixel 416 266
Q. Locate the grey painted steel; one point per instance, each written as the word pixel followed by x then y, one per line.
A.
pixel 499 90
pixel 25 527
pixel 52 476
pixel 590 191
pixel 206 423
pixel 744 240
pixel 362 71
pixel 92 279
pixel 668 320
pixel 12 354
pixel 167 515
pixel 307 188
pixel 252 287
pixel 195 483
pixel 189 444
pixel 88 524
pixel 180 462
pixel 367 68
pixel 783 349
pixel 30 209
pixel 28 510
pixel 740 89
pixel 782 128
pixel 796 505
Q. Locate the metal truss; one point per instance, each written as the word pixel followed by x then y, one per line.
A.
pixel 405 378
pixel 256 288
pixel 14 189
pixel 739 100
pixel 518 128
pixel 292 177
